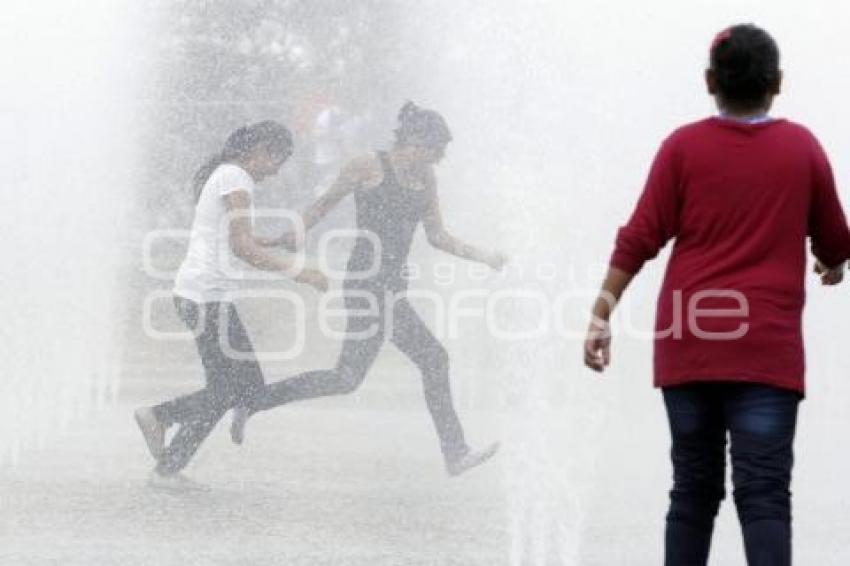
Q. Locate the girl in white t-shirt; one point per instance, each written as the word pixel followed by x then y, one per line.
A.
pixel 221 233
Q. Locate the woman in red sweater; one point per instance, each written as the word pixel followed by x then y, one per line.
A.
pixel 739 193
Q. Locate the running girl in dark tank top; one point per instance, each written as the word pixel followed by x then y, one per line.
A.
pixel 391 212
pixel 394 192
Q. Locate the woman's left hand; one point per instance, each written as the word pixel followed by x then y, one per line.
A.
pixel 829 276
pixel 496 260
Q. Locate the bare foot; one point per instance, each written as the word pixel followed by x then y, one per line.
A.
pixel 175 483
pixel 471 459
pixel 152 430
pixel 237 426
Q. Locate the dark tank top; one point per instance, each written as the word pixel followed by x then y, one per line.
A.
pixel 391 212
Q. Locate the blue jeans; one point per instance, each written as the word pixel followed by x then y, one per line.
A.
pixel 760 421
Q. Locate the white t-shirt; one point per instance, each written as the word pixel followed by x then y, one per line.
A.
pixel 211 270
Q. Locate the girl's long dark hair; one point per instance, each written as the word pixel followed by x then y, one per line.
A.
pixel 239 145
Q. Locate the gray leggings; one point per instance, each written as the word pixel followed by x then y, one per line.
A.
pixel 410 335
pixel 233 377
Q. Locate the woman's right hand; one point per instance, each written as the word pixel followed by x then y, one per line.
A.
pixel 597 345
pixel 314 278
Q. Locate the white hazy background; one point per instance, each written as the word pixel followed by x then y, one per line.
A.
pixel 557 109
pixel 67 163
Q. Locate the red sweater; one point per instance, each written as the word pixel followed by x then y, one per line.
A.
pixel 740 200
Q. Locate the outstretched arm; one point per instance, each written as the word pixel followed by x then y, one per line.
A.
pixel 244 246
pixel 441 239
pixel 352 176
pixel 357 173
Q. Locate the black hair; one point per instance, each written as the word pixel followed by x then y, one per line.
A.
pixel 275 136
pixel 745 63
pixel 421 126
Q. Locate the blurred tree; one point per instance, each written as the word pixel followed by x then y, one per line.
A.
pixel 224 63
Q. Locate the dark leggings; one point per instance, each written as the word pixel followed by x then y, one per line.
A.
pixel 232 373
pixel 409 333
pixel 760 421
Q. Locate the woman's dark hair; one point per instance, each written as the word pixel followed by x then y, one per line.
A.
pixel 239 145
pixel 745 63
pixel 421 126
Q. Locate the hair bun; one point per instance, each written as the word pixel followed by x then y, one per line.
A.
pixel 409 109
